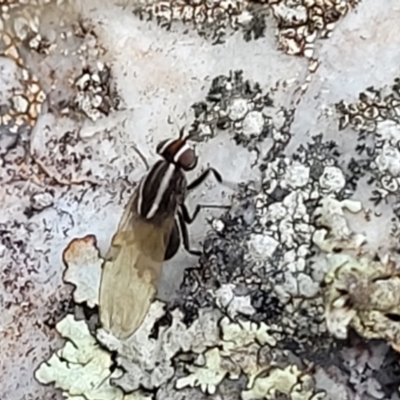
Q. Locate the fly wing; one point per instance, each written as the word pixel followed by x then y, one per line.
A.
pixel 131 272
pixel 126 291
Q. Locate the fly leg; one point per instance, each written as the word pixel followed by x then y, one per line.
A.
pixel 173 243
pixel 189 219
pixel 199 180
pixel 185 236
pixel 184 218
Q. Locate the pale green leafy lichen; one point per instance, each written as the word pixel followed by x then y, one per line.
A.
pixel 81 369
pixel 148 361
pixel 333 231
pixel 208 371
pixel 364 294
pixel 238 353
pixel 291 381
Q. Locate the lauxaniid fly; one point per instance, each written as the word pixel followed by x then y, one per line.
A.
pixel 149 233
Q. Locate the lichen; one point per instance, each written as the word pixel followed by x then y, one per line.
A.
pixel 254 305
pixel 147 356
pixel 238 105
pixel 208 371
pixel 363 293
pixel 334 232
pixel 375 118
pixel 82 369
pixel 290 381
pixel 238 352
pixel 262 249
pixel 95 96
pixel 252 312
pixel 299 24
pixel 83 270
pixel 211 19
pixel 231 304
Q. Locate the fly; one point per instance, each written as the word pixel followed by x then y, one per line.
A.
pixel 149 233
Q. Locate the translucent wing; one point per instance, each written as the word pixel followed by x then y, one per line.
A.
pixel 131 271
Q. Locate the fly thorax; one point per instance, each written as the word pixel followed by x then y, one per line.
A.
pixel 161 190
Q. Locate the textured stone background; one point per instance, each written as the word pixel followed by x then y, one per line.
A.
pixel 57 186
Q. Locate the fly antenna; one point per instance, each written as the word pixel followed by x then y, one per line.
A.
pixel 182 133
pixel 172 121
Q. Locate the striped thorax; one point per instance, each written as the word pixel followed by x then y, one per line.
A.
pixel 163 189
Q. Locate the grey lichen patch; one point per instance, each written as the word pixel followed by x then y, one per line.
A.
pixel 147 357
pixel 334 232
pixel 25 104
pixel 82 369
pixel 245 110
pixel 231 304
pixel 290 381
pixel 301 23
pixel 363 293
pixel 64 155
pixel 21 270
pixel 83 270
pixel 371 365
pixel 82 82
pixel 262 249
pixel 95 95
pixel 238 352
pixel 376 119
pixel 212 19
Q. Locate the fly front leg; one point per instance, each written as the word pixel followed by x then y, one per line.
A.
pixel 198 181
pixel 189 219
pixel 203 176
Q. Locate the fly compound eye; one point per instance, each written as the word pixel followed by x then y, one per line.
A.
pixel 186 159
pixel 178 152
